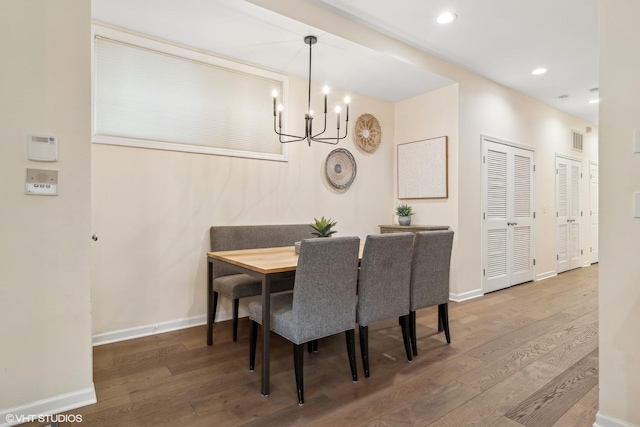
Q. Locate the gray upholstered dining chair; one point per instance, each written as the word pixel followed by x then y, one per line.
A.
pixel 430 269
pixel 323 301
pixel 383 286
pixel 233 285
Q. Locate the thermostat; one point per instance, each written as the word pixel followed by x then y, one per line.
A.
pixel 43 148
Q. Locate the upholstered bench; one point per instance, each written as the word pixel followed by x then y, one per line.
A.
pixel 227 281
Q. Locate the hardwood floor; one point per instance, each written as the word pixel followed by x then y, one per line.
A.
pixel 523 356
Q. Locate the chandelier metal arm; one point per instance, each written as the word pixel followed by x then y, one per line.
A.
pixel 308 132
pixel 325 126
pixel 281 134
pixel 328 140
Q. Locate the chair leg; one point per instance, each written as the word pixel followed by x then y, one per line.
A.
pixel 298 352
pixel 253 339
pixel 404 322
pixel 364 349
pixel 215 306
pixel 443 312
pixel 440 327
pixel 351 350
pixel 236 304
pixel 312 346
pixel 412 332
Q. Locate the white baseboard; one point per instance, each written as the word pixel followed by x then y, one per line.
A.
pixel 466 295
pixel 586 264
pixel 143 331
pixel 607 421
pixel 50 406
pixel 546 275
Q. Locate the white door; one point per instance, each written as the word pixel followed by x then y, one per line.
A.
pixel 593 217
pixel 507 179
pixel 568 214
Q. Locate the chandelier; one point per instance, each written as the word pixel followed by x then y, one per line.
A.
pixel 308 117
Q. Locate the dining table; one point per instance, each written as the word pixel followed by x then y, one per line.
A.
pixel 267 265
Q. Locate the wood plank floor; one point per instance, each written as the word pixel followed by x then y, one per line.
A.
pixel 523 356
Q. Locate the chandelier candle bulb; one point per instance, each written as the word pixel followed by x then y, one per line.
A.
pixel 275 98
pixel 346 101
pixel 279 115
pixel 326 91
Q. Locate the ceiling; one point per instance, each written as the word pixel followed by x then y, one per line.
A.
pixel 502 40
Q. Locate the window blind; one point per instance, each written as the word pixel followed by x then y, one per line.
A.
pixel 149 98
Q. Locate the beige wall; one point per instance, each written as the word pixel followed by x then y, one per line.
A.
pixel 478 107
pixel 487 108
pixel 153 209
pixel 45 245
pixel 149 262
pixel 432 115
pixel 160 237
pixel 619 300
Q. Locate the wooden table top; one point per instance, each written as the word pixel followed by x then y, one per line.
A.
pixel 263 260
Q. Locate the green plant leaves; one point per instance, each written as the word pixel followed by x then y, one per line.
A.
pixel 404 210
pixel 323 227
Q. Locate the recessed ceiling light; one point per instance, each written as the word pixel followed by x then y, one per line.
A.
pixel 593 90
pixel 446 17
pixel 563 96
pixel 539 71
pixel 594 101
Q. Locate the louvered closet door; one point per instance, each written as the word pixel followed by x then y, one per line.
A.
pixel 568 214
pixel 522 223
pixel 507 212
pixel 496 259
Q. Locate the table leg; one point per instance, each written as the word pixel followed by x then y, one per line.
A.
pixel 209 302
pixel 266 332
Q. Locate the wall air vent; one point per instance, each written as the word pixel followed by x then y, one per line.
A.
pixel 576 140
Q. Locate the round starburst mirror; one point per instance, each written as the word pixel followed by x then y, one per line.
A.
pixel 367 133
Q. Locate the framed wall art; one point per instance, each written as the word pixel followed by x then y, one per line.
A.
pixel 422 169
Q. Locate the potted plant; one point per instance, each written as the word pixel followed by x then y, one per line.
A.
pixel 404 213
pixel 323 227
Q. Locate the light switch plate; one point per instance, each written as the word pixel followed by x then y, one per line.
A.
pixel 636 140
pixel 636 204
pixel 42 182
